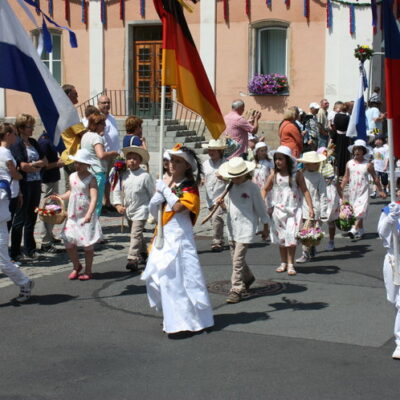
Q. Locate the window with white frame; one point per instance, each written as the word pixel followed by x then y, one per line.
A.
pixel 271 50
pixel 52 60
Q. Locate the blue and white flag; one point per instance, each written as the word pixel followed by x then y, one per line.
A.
pixel 357 125
pixel 22 69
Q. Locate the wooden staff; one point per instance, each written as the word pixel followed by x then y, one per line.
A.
pixel 217 205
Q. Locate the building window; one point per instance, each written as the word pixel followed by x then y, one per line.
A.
pixel 52 60
pixel 271 50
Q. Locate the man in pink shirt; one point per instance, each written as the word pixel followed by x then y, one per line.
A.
pixel 238 128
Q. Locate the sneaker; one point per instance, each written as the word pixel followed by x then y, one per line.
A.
pixel 25 292
pixel 396 353
pixel 49 248
pixel 233 297
pixel 373 195
pixel 303 259
pixel 330 246
pixel 352 233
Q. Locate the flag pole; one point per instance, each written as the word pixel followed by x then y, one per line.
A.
pixel 159 242
pixel 393 200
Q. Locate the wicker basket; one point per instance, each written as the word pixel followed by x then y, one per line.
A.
pixel 309 242
pixel 55 219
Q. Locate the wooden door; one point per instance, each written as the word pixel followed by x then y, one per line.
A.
pixel 147 87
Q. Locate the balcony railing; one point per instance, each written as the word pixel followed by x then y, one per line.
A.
pixel 123 104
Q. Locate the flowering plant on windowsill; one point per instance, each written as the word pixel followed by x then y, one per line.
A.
pixel 268 84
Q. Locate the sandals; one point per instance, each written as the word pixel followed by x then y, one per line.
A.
pixel 291 270
pixel 85 277
pixel 282 268
pixel 75 273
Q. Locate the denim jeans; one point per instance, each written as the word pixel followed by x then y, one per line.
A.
pixel 25 219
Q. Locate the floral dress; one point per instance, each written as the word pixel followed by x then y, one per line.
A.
pixel 75 232
pixel 286 217
pixel 358 187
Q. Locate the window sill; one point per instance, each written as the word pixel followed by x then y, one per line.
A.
pixel 270 94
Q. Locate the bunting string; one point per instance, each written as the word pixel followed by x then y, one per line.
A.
pixel 67 10
pixel 226 10
pixel 329 19
pixel 122 10
pixel 352 19
pixel 142 8
pixel 307 9
pixel 51 8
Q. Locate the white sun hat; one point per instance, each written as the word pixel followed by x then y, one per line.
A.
pixel 215 144
pixel 235 167
pixel 260 145
pixel 176 151
pixel 83 156
pixel 144 154
pixel 314 105
pixel 360 143
pixel 284 150
pixel 311 157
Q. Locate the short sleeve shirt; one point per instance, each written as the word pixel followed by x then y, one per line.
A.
pixel 237 127
pixel 89 141
pixel 5 156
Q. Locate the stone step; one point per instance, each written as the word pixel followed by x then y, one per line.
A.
pixel 191 139
pixel 186 133
pixel 176 128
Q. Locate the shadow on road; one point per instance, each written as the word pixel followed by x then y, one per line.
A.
pixel 115 275
pixel 318 269
pixel 345 252
pixel 134 289
pixel 288 304
pixel 221 321
pixel 45 300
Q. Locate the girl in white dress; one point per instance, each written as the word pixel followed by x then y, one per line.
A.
pixel 356 175
pixel 264 164
pixel 82 227
pixel 173 275
pixel 286 186
pixel 316 186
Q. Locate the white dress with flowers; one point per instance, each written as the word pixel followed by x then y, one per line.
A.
pixel 358 187
pixel 75 231
pixel 286 217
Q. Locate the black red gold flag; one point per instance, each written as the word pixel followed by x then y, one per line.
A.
pixel 182 68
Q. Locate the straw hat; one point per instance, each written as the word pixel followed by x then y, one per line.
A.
pixel 83 156
pixel 311 157
pixel 213 144
pixel 235 168
pixel 144 154
pixel 359 143
pixel 284 150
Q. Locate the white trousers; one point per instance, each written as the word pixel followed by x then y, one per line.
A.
pixel 6 266
pixel 393 295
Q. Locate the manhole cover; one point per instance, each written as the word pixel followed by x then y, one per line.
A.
pixel 258 289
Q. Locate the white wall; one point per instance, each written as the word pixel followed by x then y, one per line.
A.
pixel 341 67
pixel 96 49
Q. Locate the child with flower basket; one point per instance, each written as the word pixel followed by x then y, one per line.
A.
pixel 132 189
pixel 286 185
pixel 311 234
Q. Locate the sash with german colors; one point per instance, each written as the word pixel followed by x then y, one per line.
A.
pixel 188 195
pixel 182 67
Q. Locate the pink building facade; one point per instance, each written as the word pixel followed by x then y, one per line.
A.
pixel 124 54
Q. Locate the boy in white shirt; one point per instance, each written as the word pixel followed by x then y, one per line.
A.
pixel 215 186
pixel 131 196
pixel 380 161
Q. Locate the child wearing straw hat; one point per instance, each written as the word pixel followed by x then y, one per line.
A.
pixel 245 208
pixel 215 185
pixel 286 185
pixel 356 175
pixel 131 197
pixel 316 186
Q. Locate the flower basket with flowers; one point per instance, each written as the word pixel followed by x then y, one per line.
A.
pixel 116 172
pixel 363 53
pixel 52 210
pixel 311 234
pixel 268 84
pixel 346 217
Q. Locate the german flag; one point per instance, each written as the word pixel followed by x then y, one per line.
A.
pixel 182 68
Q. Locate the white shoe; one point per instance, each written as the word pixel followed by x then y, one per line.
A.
pixel 330 246
pixel 396 353
pixel 303 259
pixel 25 292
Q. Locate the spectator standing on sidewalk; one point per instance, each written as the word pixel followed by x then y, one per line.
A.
pixel 50 185
pixel 134 133
pixel 111 143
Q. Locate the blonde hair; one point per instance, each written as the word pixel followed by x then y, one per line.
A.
pixel 289 115
pixel 24 120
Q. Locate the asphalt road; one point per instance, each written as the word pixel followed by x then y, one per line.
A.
pixel 323 334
